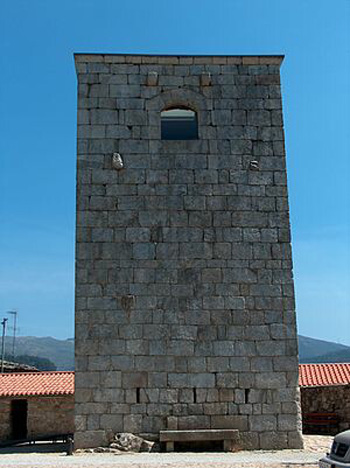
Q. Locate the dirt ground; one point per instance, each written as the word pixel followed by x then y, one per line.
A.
pixel 317 444
pixel 315 448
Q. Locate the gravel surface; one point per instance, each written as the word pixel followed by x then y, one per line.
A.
pixel 315 447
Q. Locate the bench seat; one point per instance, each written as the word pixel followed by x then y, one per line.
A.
pixel 320 422
pixel 230 437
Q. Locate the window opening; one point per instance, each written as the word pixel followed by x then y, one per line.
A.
pixel 179 124
pixel 246 395
pixel 137 395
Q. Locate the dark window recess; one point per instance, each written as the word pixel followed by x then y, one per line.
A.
pixel 246 395
pixel 194 395
pixel 137 395
pixel 179 124
pixel 19 411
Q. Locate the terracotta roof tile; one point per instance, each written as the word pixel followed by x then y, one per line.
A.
pixel 314 375
pixel 36 383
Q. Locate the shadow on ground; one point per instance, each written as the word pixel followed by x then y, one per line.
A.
pixel 35 448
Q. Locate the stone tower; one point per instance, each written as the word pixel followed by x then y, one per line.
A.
pixel 185 315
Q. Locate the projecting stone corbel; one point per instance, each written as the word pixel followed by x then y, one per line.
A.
pixel 254 165
pixel 205 78
pixel 117 161
pixel 152 78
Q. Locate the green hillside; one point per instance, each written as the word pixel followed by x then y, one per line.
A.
pixel 60 352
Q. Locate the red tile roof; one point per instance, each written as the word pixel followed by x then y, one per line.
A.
pixel 36 383
pixel 318 375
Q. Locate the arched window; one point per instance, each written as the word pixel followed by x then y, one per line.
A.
pixel 179 124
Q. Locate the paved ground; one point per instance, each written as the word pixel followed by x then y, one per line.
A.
pixel 315 447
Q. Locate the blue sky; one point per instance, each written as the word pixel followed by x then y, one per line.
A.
pixel 38 131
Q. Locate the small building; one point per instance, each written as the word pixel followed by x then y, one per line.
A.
pixel 36 404
pixel 325 394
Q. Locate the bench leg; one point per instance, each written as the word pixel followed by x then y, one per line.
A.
pixel 169 447
pixel 228 445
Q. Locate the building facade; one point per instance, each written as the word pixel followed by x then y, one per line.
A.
pixel 36 404
pixel 185 315
pixel 325 391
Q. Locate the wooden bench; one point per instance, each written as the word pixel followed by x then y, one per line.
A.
pixel 325 423
pixel 230 437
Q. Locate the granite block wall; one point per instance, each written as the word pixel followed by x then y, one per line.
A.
pixel 331 399
pixel 50 415
pixel 185 315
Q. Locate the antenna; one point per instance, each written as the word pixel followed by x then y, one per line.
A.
pixel 14 313
pixel 3 323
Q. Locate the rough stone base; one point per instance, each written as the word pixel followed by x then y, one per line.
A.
pixel 248 440
pixel 295 440
pixel 90 439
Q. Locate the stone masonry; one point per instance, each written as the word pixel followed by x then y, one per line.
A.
pixel 47 415
pixel 328 399
pixel 185 315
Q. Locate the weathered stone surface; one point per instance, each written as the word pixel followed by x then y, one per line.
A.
pixel 127 442
pixel 184 298
pixel 88 439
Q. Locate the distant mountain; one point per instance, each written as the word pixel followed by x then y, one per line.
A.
pixel 36 362
pixel 313 350
pixel 338 356
pixel 61 352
